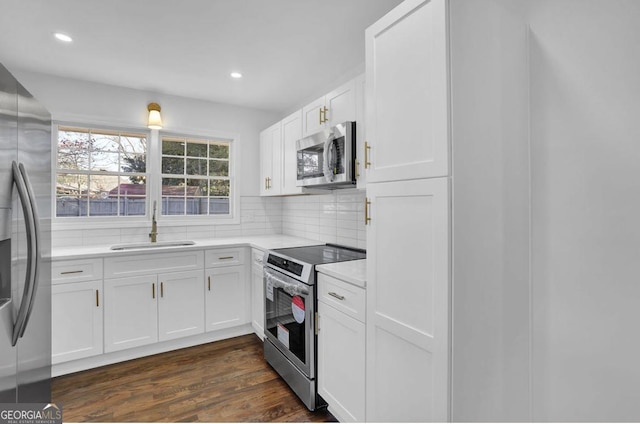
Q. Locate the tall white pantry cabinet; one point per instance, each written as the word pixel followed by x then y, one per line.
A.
pixel 445 93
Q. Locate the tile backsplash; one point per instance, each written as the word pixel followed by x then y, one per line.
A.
pixel 335 217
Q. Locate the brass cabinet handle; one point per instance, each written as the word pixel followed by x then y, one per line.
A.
pixel 324 113
pixel 209 282
pixel 336 295
pixel 367 204
pixel 97 299
pixel 367 148
pixel 225 257
pixel 161 289
pixel 357 168
pixel 153 290
pixel 320 110
pixel 71 272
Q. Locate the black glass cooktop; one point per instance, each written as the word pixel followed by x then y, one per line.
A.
pixel 322 254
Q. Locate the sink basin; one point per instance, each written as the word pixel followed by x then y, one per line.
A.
pixel 149 245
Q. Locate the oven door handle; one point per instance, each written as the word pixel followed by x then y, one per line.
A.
pixel 292 287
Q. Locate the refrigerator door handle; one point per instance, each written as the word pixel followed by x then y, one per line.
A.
pixel 27 210
pixel 37 257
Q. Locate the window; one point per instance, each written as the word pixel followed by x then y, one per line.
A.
pixel 196 176
pixel 100 173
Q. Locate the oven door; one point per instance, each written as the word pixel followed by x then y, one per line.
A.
pixel 289 318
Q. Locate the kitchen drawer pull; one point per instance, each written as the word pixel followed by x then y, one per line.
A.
pixel 161 289
pixel 97 299
pixel 225 257
pixel 71 272
pixel 336 295
pixel 209 282
pixel 153 290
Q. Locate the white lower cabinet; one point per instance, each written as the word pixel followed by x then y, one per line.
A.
pixel 341 348
pixel 226 297
pixel 180 305
pixel 76 316
pixel 257 292
pixel 131 312
pixel 144 299
pixel 146 309
pixel 408 301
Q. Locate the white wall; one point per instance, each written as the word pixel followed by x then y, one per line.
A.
pixel 95 104
pixel 585 139
pixel 490 221
pixel 91 103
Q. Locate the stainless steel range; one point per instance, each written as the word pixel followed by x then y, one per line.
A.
pixel 290 313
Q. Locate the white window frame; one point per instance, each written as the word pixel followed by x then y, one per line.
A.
pixel 234 213
pixel 154 183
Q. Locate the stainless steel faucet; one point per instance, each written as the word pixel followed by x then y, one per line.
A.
pixel 153 235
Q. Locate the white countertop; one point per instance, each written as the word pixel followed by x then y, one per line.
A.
pixel 275 241
pixel 354 272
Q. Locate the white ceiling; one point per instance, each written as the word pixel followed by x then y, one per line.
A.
pixel 287 50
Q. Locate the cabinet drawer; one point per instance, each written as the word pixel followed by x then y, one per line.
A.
pixel 76 270
pixel 153 263
pixel 341 295
pixel 224 257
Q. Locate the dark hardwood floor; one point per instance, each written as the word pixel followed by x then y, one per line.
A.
pixel 223 381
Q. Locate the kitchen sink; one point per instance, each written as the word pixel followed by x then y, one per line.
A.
pixel 150 245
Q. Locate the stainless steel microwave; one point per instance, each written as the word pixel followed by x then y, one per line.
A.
pixel 326 159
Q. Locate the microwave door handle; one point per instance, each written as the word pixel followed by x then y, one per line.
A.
pixel 326 154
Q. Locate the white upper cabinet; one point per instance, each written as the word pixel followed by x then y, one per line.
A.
pixel 291 133
pixel 336 107
pixel 271 160
pixel 278 150
pixel 407 101
pixel 361 134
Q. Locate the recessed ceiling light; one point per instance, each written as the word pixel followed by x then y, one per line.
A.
pixel 63 37
pixel 236 75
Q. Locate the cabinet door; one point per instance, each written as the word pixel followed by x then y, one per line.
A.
pixel 270 160
pixel 257 301
pixel 408 301
pixel 291 133
pixel 180 304
pixel 130 312
pixel 226 298
pixel 407 93
pixel 76 320
pixel 313 117
pixel 341 104
pixel 361 134
pixel 257 292
pixel 341 363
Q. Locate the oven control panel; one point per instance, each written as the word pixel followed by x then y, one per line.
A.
pixel 286 264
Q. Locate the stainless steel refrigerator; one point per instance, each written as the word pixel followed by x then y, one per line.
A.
pixel 25 245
